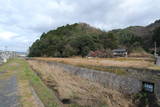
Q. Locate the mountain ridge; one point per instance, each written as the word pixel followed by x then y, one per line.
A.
pixel 81 38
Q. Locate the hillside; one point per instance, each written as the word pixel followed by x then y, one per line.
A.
pixel 70 40
pixel 144 32
pixel 80 39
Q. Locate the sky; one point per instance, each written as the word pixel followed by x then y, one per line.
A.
pixel 23 21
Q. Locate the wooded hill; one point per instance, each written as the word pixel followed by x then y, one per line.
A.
pixel 80 39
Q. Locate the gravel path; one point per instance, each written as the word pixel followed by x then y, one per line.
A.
pixel 8 91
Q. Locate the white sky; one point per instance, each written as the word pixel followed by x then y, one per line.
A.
pixel 23 21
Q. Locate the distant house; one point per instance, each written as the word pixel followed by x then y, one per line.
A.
pixel 119 52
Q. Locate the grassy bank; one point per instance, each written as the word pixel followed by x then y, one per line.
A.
pixel 77 90
pixel 26 79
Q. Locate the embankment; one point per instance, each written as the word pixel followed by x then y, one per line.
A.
pixel 129 83
pixel 74 89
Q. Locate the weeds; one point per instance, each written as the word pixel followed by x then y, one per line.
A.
pixel 145 99
pixel 26 79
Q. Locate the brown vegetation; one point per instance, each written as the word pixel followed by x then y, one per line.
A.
pixel 75 90
pixel 104 62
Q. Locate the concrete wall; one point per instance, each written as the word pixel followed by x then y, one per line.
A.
pixel 128 83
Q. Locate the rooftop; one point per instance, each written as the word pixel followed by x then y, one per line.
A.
pixel 115 50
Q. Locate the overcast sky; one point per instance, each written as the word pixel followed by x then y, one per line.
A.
pixel 22 21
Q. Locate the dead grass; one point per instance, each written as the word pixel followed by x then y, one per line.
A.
pixel 26 95
pixel 79 91
pixel 106 62
pixel 31 82
pixel 28 84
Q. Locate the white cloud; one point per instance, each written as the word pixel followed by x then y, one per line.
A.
pixel 7 35
pixel 22 21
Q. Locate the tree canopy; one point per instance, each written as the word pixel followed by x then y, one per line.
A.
pixel 78 40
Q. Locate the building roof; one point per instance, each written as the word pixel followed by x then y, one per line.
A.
pixel 119 50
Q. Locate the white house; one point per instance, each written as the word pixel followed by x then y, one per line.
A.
pixel 119 52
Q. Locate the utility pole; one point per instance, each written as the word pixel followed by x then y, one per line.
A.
pixel 5 48
pixel 155 49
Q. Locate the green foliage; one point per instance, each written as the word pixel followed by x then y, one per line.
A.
pixel 79 40
pixel 129 40
pixel 156 37
pixel 145 99
pixel 68 51
pixel 109 40
pixel 83 44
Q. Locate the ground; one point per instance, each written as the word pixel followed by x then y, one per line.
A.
pixel 36 84
pixel 8 90
pixel 117 62
pixel 20 86
pixel 108 64
pixel 77 91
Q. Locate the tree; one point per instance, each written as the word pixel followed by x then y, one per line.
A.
pixel 68 51
pixel 156 36
pixel 129 40
pixel 35 49
pixel 79 40
pixel 83 44
pixel 108 40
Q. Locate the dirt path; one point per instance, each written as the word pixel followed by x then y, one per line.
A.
pixel 8 90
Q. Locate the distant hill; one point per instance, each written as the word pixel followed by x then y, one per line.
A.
pixel 80 38
pixel 144 32
pixel 21 53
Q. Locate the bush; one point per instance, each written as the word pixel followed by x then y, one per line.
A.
pixel 100 53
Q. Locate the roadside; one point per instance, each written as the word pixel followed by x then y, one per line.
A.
pixel 24 85
pixel 8 90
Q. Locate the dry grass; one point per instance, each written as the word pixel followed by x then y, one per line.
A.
pixel 23 88
pixel 80 91
pixel 32 89
pixel 103 62
pixel 29 85
pixel 26 94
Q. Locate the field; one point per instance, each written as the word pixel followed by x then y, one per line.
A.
pixel 56 88
pixel 117 62
pixel 108 64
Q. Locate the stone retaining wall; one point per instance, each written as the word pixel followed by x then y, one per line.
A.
pixel 128 83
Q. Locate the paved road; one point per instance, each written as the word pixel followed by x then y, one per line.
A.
pixel 8 91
